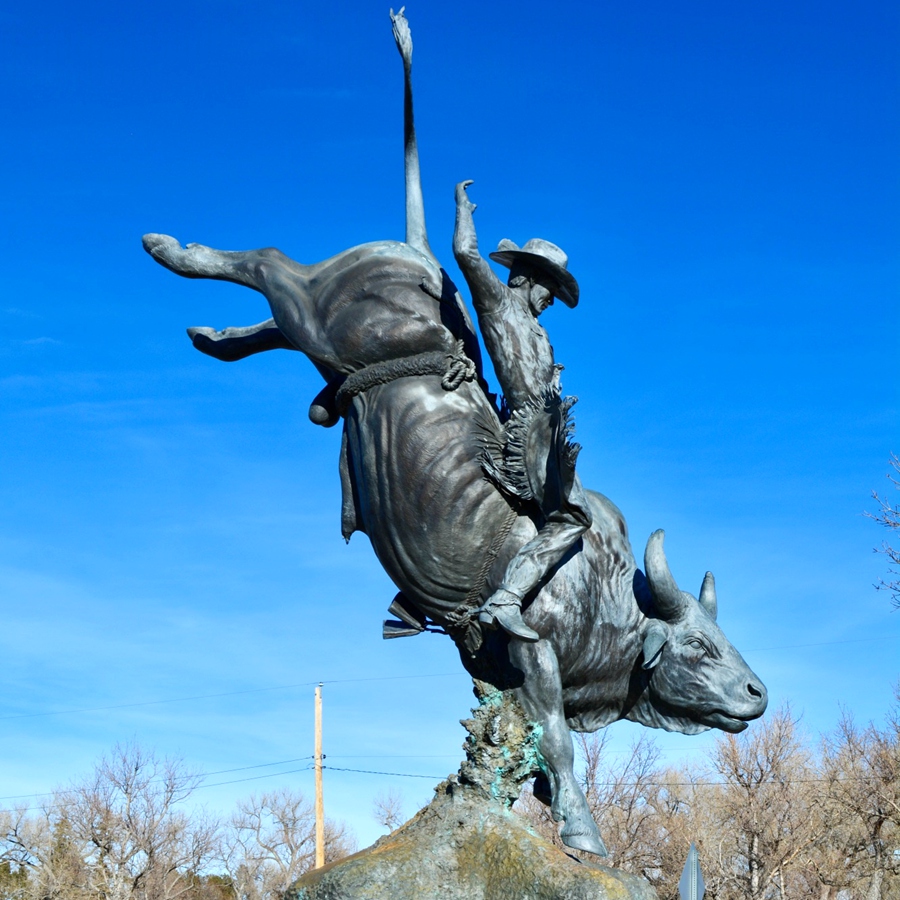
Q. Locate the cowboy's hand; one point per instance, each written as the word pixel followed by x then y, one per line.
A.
pixel 402 35
pixel 462 198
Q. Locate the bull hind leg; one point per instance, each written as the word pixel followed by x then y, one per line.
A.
pixel 283 282
pixel 199 261
pixel 541 698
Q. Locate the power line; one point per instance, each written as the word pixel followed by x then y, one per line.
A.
pixel 65 712
pixel 282 762
pixel 621 784
pixel 255 777
pixel 823 644
pixel 393 755
pixel 398 774
pixel 662 784
pixel 285 687
pixel 281 687
pixel 198 787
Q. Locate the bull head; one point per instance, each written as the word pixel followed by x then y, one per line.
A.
pixel 698 680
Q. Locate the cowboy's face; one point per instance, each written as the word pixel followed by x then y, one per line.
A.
pixel 539 298
pixel 526 284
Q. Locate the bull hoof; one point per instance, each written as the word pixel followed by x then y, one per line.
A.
pixel 211 342
pixel 160 246
pixel 208 333
pixel 587 843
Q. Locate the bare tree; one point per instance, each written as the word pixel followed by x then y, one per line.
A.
pixel 862 768
pixel 125 833
pixel 623 799
pixel 683 802
pixel 139 842
pixel 119 834
pixel 764 817
pixel 751 815
pixel 624 796
pixel 388 809
pixel 271 843
pixel 889 516
pixel 47 859
pixel 536 809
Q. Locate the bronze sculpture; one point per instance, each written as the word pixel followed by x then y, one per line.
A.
pixel 596 639
pixel 537 460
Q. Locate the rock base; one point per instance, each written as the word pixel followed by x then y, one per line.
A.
pixel 461 847
pixel 467 844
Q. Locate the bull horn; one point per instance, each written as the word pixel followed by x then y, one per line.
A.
pixel 668 599
pixel 708 596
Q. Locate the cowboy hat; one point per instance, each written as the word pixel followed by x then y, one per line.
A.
pixel 544 258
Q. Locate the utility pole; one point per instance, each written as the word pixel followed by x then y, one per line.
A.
pixel 320 803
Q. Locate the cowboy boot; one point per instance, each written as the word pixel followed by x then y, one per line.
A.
pixel 504 609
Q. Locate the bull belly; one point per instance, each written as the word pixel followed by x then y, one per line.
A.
pixel 424 502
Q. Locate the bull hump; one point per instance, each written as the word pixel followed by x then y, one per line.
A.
pixel 394 256
pixel 383 269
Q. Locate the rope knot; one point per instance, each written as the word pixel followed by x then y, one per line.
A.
pixel 459 368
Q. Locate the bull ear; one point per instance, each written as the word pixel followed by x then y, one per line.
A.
pixel 654 640
pixel 708 596
pixel 668 600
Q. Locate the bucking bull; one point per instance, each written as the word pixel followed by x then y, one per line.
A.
pixel 391 336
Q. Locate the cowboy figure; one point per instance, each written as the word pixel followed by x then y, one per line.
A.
pixel 537 461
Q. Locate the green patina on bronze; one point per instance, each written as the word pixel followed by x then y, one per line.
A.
pixel 468 844
pixel 461 847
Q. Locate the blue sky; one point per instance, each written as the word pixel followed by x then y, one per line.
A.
pixel 724 179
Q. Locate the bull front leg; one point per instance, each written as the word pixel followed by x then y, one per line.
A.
pixel 541 698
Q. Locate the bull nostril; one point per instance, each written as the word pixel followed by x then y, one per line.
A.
pixel 754 691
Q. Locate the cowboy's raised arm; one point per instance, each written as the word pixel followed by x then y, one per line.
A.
pixel 488 292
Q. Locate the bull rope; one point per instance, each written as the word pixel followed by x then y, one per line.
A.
pixel 453 365
pixel 460 623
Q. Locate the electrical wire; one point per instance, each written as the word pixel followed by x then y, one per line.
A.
pixel 255 777
pixel 397 774
pixel 889 637
pixel 281 687
pixel 282 762
pixel 285 687
pixel 392 755
pixel 356 756
pixel 621 784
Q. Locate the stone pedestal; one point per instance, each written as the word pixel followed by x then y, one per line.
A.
pixel 467 844
pixel 461 848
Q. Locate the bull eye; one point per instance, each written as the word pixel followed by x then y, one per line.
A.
pixel 697 644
